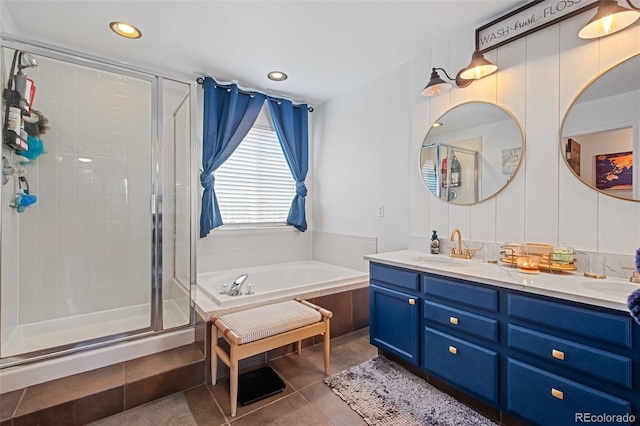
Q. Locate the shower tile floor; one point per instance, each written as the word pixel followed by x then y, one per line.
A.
pixel 305 401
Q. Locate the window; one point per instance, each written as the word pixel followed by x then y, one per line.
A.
pixel 255 186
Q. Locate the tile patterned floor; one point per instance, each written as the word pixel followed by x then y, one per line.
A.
pixel 305 401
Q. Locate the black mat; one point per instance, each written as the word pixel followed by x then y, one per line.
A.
pixel 258 384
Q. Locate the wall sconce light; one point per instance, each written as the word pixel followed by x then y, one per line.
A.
pixel 610 18
pixel 478 68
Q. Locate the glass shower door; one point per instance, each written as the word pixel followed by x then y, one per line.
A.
pixel 77 265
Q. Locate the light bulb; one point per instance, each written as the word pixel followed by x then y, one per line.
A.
pixel 608 25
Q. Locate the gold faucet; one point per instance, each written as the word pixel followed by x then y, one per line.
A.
pixel 459 253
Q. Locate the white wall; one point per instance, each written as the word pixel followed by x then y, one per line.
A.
pixel 366 149
pixel 361 158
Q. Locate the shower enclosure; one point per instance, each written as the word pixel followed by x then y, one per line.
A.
pixel 438 177
pixel 106 253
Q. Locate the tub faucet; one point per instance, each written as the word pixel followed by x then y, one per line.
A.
pixel 237 285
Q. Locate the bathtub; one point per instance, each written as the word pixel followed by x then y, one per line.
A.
pixel 280 281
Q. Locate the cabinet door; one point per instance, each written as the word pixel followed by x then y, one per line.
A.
pixel 548 399
pixel 394 322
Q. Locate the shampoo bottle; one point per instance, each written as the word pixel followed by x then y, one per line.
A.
pixel 435 243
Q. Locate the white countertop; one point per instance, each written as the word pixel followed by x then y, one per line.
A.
pixel 609 293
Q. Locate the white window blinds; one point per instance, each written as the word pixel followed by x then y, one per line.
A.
pixel 255 186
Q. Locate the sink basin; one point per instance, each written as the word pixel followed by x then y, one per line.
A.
pixel 442 260
pixel 612 288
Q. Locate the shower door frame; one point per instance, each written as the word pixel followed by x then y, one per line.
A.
pixel 156 301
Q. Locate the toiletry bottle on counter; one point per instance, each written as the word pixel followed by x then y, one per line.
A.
pixel 435 243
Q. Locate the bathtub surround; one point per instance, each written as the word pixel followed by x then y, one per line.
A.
pixel 237 248
pixel 347 251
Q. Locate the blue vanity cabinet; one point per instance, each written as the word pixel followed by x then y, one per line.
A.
pixel 394 317
pixel 541 359
pixel 460 335
pixel 566 360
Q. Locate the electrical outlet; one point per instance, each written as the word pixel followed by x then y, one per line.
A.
pixel 380 211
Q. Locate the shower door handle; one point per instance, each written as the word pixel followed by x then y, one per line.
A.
pixel 153 204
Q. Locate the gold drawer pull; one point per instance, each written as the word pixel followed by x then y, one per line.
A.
pixel 453 350
pixel 557 354
pixel 412 301
pixel 453 320
pixel 558 394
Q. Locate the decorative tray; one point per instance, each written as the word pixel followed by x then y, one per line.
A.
pixel 547 257
pixel 551 267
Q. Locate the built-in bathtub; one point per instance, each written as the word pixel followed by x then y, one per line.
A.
pixel 276 282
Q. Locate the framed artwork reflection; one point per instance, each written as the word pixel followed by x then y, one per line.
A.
pixel 614 171
pixel 573 155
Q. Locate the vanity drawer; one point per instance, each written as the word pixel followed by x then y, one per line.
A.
pixel 597 325
pixel 462 363
pixel 397 277
pixel 548 399
pixel 598 363
pixel 458 292
pixel 467 322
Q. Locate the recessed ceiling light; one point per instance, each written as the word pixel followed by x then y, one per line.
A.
pixel 125 30
pixel 277 76
pixel 85 160
pixel 436 124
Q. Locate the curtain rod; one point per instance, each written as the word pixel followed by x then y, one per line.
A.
pixel 200 81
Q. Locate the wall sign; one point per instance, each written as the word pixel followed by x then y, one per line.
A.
pixel 527 19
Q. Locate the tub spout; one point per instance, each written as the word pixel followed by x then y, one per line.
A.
pixel 236 287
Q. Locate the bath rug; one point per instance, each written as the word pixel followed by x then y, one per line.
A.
pixel 385 394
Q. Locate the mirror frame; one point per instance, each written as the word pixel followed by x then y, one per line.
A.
pixel 561 145
pixel 522 152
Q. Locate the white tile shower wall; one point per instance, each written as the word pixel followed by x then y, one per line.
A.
pixel 9 266
pixel 231 248
pixel 343 250
pixel 85 246
pixel 537 79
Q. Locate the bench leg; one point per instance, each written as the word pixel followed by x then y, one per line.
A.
pixel 214 354
pixel 299 347
pixel 327 344
pixel 233 378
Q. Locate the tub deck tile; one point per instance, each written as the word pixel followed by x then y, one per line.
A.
pixel 8 404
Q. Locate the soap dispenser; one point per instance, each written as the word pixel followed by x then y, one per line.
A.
pixel 435 243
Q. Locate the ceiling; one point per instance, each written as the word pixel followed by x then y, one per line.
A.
pixel 326 47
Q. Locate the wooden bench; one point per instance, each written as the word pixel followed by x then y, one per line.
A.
pixel 258 330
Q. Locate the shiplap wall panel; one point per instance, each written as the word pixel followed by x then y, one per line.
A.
pixel 618 225
pixel 541 195
pixel 511 90
pixel 577 203
pixel 439 210
pixel 421 119
pixel 538 77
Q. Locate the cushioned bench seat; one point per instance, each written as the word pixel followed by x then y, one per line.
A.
pixel 258 330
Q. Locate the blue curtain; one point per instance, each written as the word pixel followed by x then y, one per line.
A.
pixel 228 117
pixel 291 124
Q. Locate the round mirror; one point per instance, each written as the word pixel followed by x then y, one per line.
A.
pixel 471 153
pixel 600 132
